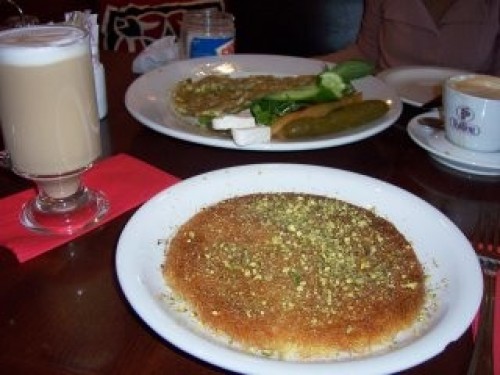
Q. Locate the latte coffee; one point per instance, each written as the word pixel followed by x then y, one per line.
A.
pixel 47 101
pixel 472 112
pixel 481 86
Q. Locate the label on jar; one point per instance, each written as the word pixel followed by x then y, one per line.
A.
pixel 210 46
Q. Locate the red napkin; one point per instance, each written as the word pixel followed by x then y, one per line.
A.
pixel 496 327
pixel 127 182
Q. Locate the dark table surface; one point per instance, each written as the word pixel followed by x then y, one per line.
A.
pixel 64 313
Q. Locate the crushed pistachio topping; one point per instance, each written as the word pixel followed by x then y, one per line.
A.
pixel 273 269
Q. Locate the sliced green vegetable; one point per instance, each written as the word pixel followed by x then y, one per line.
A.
pixel 332 84
pixel 352 69
pixel 304 93
pixel 205 121
pixel 266 111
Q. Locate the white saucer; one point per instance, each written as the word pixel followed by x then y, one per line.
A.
pixel 417 85
pixel 445 152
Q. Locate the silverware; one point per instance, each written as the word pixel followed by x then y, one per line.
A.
pixel 486 241
pixel 433 122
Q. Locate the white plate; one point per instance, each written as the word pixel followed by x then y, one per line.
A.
pixel 147 99
pixel 443 250
pixel 417 85
pixel 445 152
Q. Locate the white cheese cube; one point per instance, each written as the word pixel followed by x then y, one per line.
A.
pixel 233 122
pixel 250 136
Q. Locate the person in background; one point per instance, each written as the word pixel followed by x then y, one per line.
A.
pixel 461 34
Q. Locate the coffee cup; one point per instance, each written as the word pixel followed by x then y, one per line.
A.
pixel 471 108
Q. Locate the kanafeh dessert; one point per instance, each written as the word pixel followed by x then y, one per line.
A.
pixel 296 276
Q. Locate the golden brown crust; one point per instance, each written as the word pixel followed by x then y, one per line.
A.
pixel 297 275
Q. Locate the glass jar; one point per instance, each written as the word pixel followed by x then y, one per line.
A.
pixel 207 32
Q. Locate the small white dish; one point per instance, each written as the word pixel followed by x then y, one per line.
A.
pixel 148 100
pixel 442 150
pixel 453 298
pixel 417 85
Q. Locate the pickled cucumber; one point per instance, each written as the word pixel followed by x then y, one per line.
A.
pixel 346 117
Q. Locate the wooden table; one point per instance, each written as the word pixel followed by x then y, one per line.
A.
pixel 64 313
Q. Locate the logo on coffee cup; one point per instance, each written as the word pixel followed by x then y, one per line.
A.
pixel 462 121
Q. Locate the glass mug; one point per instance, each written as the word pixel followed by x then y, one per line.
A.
pixel 50 124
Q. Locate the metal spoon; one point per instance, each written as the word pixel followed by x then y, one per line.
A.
pixel 433 122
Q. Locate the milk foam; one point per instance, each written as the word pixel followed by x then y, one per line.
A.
pixel 481 86
pixel 21 46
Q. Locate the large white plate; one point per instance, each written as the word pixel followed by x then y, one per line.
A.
pixel 443 151
pixel 147 99
pixel 417 85
pixel 450 262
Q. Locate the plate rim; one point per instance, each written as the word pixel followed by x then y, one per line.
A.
pixel 385 74
pixel 380 364
pixel 401 69
pixel 277 146
pixel 417 132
